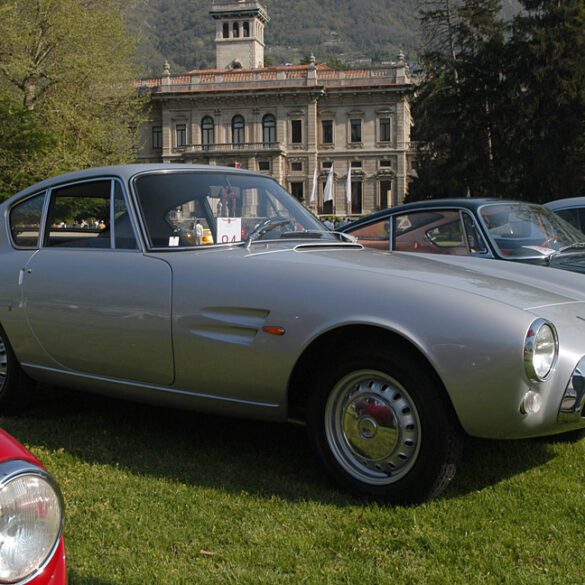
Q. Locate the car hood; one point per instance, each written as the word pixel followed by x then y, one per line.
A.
pixel 519 285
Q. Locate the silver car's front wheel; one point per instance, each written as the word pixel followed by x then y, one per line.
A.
pixel 372 427
pixel 383 425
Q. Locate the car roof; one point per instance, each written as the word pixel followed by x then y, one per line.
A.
pixel 566 203
pixel 470 203
pixel 124 172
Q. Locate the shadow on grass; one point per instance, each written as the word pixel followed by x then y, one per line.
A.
pixel 267 459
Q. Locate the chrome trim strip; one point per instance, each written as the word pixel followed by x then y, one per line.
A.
pixel 145 385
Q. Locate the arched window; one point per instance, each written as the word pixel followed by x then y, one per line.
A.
pixel 207 131
pixel 268 129
pixel 238 129
pixel 226 30
pixel 246 29
pixel 236 30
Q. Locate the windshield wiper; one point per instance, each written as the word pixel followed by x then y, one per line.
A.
pixel 266 226
pixel 573 246
pixel 552 257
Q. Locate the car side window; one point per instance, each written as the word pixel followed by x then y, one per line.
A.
pixel 374 235
pixel 570 215
pixel 25 221
pixel 79 215
pixel 434 231
pixel 475 241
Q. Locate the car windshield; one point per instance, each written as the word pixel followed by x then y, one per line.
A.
pixel 187 208
pixel 521 230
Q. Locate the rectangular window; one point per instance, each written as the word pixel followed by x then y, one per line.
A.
pixel 181 132
pixel 356 197
pixel 327 205
pixel 156 137
pixel 326 165
pixel 296 127
pixel 264 165
pixel 385 164
pixel 356 130
pixel 297 189
pixel 385 129
pixel 356 164
pixel 327 128
pixel 296 166
pixel 385 194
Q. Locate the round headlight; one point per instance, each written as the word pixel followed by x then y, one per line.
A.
pixel 540 350
pixel 31 519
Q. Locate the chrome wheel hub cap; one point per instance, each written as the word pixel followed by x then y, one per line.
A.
pixel 372 427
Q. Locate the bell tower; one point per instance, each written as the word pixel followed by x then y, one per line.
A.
pixel 239 33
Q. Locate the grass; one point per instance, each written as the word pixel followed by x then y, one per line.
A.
pixel 165 497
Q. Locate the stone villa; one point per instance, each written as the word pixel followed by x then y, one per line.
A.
pixel 294 122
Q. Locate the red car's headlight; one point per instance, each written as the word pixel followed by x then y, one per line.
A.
pixel 31 519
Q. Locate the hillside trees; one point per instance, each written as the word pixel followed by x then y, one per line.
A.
pixel 457 105
pixel 66 95
pixel 501 111
pixel 548 67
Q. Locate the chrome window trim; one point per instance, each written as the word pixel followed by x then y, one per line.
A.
pixel 227 171
pixel 113 180
pixel 15 468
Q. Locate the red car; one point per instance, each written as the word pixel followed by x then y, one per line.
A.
pixel 32 549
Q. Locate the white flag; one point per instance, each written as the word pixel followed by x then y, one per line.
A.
pixel 348 190
pixel 328 193
pixel 313 196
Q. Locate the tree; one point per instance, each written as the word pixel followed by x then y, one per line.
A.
pixel 22 140
pixel 68 63
pixel 502 108
pixel 548 73
pixel 457 105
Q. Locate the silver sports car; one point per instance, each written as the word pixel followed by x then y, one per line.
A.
pixel 213 289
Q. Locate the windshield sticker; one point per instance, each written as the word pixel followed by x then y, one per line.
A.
pixel 173 241
pixel 229 230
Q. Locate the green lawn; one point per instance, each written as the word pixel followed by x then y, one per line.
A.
pixel 162 497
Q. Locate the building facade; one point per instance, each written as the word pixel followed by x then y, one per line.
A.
pixel 298 123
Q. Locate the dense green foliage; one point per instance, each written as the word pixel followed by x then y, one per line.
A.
pixel 66 94
pixel 182 31
pixel 501 111
pixel 163 497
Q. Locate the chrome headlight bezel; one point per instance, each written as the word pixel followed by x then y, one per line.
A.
pixel 18 470
pixel 535 337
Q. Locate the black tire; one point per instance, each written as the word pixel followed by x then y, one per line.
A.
pixel 15 385
pixel 383 426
